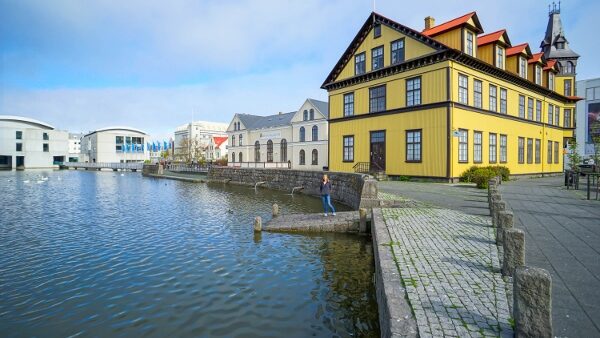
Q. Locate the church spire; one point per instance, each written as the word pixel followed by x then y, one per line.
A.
pixel 555 44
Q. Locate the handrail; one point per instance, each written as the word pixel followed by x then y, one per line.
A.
pixel 362 167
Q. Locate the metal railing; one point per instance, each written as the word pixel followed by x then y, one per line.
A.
pixel 188 168
pixel 265 165
pixel 592 182
pixel 100 165
pixel 362 167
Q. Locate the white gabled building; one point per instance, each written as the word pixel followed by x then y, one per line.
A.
pixel 27 143
pixel 115 145
pixel 296 140
pixel 194 138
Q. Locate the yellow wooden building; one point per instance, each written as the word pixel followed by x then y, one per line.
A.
pixel 432 103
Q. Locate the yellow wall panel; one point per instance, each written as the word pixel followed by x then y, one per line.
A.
pixel 486 53
pixel 451 38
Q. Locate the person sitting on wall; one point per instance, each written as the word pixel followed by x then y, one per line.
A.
pixel 325 189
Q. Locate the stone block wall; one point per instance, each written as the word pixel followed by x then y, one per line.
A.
pixel 348 188
pixel 150 169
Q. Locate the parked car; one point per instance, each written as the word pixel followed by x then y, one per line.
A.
pixel 587 166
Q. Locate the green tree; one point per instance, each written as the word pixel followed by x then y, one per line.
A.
pixel 573 156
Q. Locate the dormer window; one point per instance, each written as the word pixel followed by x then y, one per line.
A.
pixel 377 31
pixel 469 47
pixel 499 57
pixel 523 67
pixel 538 75
pixel 560 45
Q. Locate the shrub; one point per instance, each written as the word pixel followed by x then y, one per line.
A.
pixel 467 176
pixel 481 176
pixel 498 170
pixel 501 171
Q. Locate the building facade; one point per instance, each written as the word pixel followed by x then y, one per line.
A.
pixel 297 140
pixel 588 116
pixel 192 139
pixel 433 103
pixel 115 145
pixel 217 148
pixel 74 147
pixel 27 143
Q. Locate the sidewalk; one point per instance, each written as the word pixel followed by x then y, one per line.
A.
pixel 562 235
pixel 448 263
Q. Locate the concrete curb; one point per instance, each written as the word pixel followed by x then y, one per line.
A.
pixel 395 315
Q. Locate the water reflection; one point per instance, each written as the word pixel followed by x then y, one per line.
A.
pixel 100 254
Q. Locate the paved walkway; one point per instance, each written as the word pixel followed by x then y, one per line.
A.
pixel 562 235
pixel 448 262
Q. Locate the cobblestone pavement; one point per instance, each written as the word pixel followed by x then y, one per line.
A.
pixel 449 264
pixel 562 235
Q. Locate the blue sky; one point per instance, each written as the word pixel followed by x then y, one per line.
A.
pixel 83 65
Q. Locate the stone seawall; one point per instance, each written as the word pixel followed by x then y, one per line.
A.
pixel 148 169
pixel 353 190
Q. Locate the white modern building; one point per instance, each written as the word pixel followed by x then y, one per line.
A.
pixel 296 140
pixel 115 145
pixel 27 143
pixel 588 116
pixel 74 147
pixel 192 139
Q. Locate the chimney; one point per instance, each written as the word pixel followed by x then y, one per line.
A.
pixel 429 22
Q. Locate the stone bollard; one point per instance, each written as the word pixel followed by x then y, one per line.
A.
pixel 275 210
pixel 491 192
pixel 505 221
pixel 532 309
pixel 362 212
pixel 257 223
pixel 514 250
pixel 494 198
pixel 498 207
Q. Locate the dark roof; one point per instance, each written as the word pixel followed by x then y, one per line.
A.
pixel 375 18
pixel 555 33
pixel 252 122
pixel 322 106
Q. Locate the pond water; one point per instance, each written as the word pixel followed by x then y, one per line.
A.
pixel 104 254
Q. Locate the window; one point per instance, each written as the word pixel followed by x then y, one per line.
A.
pixel 556 158
pixel 523 67
pixel 240 157
pixel 240 140
pixel 568 88
pixel 302 157
pixel 377 58
pixel 530 108
pixel 315 157
pixel 413 91
pixel 463 145
pixel 283 152
pixel 521 150
pixel 315 133
pixel 359 64
pixel 305 115
pixel 413 146
pixel 469 43
pixel 377 30
pixel 45 136
pixel 256 151
pixel 502 100
pixel 19 147
pixel 499 57
pixel 529 150
pixel 233 140
pixel 550 80
pixel 312 114
pixel 550 114
pixel 538 146
pixel 377 99
pixel 233 157
pixel 235 126
pixel 549 155
pixel 493 98
pixel 522 106
pixel 557 115
pixel 269 151
pixel 348 148
pixel 46 148
pixel 477 94
pixel 538 75
pixel 477 140
pixel 302 134
pixel 570 68
pixel 567 123
pixel 397 51
pixel 503 148
pixel 493 148
pixel 463 89
pixel 349 104
pixel 538 110
pixel 19 135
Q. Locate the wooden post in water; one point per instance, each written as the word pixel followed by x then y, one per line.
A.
pixel 258 223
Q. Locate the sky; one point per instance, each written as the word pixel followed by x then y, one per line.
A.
pixel 155 65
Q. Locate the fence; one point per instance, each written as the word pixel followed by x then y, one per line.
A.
pixel 188 168
pixel 100 165
pixel 265 165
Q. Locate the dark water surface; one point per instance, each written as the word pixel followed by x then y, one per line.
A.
pixel 97 254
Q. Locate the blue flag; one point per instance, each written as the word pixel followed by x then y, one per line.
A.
pixel 165 142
